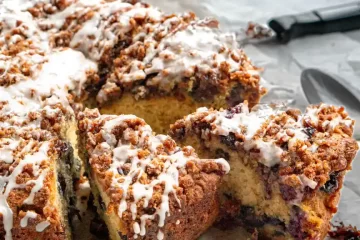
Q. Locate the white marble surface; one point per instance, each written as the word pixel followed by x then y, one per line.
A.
pixel 337 53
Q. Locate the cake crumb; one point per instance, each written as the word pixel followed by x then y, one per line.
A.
pixel 343 232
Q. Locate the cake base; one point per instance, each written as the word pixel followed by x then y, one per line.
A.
pixel 159 111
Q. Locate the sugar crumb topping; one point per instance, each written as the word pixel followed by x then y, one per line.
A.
pixel 142 167
pixel 36 156
pixel 307 147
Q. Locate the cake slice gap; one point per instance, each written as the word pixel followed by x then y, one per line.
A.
pixel 287 168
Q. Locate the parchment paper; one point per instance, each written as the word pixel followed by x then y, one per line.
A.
pixel 336 53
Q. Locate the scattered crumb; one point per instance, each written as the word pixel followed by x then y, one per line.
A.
pixel 258 31
pixel 343 232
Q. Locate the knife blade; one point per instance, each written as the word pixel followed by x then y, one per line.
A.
pixel 339 18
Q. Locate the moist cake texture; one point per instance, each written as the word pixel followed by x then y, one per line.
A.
pixel 146 186
pixel 287 168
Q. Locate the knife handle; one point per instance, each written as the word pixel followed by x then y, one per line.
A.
pixel 339 18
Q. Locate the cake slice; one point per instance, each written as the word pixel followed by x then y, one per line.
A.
pixel 33 186
pixel 146 187
pixel 287 168
pixel 39 92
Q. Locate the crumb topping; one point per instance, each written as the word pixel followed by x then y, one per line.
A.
pixel 25 165
pixel 139 170
pixel 307 147
pixel 179 50
pixel 24 97
pixel 344 232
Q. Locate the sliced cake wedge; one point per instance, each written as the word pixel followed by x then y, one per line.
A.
pixel 287 168
pixel 147 187
pixel 33 198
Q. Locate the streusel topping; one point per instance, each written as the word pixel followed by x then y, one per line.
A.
pixel 138 169
pixel 307 147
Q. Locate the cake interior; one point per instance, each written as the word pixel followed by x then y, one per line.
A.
pixel 64 194
pixel 114 226
pixel 113 223
pixel 254 202
pixel 244 199
pixel 159 111
pixel 243 190
pixel 70 169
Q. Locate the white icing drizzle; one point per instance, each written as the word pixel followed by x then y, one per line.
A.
pixel 108 21
pixel 28 28
pixel 307 181
pixel 149 34
pixel 160 235
pixel 252 121
pixel 123 152
pixel 252 125
pixel 313 148
pixel 40 227
pixel 8 183
pixel 30 95
pixel 24 220
pixel 224 164
pixel 195 46
pixel 7 149
pixel 109 126
pixel 270 153
pixel 312 116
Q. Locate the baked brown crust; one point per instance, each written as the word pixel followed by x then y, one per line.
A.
pixel 178 191
pixel 305 156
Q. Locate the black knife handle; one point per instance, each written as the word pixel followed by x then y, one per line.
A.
pixel 340 18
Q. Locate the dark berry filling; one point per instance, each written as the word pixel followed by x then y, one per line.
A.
pixel 98 228
pixel 288 193
pixel 219 153
pixel 309 131
pixel 228 140
pixel 296 222
pixel 248 216
pixel 235 96
pixel 331 185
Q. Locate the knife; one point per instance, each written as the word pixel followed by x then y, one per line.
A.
pixel 282 29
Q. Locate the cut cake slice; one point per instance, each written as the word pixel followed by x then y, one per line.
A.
pixel 146 187
pixel 287 168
